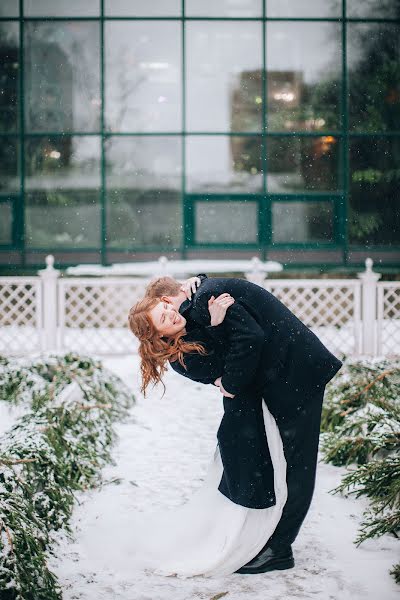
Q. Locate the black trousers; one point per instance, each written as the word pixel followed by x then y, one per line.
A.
pixel 299 429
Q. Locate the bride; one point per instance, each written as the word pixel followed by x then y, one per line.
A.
pixel 209 535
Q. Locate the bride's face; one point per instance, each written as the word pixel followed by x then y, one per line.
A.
pixel 166 319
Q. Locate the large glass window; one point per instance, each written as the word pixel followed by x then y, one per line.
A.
pixel 224 76
pixel 9 74
pixel 374 76
pixel 223 8
pixel 233 222
pixel 304 8
pixel 303 75
pixel 62 76
pixel 69 8
pixel 297 164
pixel 62 184
pixel 6 223
pixel 140 8
pixel 9 165
pixel 9 8
pixel 374 203
pixel 144 206
pixel 143 76
pixel 224 164
pixel 373 9
pixel 302 222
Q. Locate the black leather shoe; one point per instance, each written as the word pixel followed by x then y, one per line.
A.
pixel 269 560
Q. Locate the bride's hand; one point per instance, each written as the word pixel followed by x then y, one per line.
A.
pixel 189 286
pixel 217 307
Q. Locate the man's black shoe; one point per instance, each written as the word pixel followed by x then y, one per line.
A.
pixel 269 560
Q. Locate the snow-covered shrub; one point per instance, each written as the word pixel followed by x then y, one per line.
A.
pixel 56 448
pixel 361 426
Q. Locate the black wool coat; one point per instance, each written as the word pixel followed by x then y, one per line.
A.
pixel 262 351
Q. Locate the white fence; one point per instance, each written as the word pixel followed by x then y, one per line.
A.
pixel 351 316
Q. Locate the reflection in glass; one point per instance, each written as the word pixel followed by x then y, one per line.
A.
pixel 143 76
pixel 144 205
pixel 224 76
pixel 304 8
pixel 139 8
pixel 61 8
pixel 9 171
pixel 62 76
pixel 9 74
pixel 9 8
pixel 62 192
pixel 297 222
pixel 303 76
pixel 223 8
pixel 373 8
pixel 226 222
pixel 374 204
pixel 374 76
pixel 297 164
pixel 224 164
pixel 6 223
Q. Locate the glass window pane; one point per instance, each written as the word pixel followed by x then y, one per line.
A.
pixel 373 8
pixel 224 164
pixel 6 223
pixel 61 8
pixel 9 8
pixel 374 76
pixel 9 76
pixel 144 206
pixel 296 164
pixel 223 8
pixel 139 8
pixel 301 221
pixel 303 76
pixel 224 76
pixel 143 76
pixel 304 8
pixel 62 76
pixel 9 165
pixel 62 192
pixel 226 222
pixel 374 206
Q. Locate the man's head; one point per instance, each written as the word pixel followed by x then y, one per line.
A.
pixel 168 289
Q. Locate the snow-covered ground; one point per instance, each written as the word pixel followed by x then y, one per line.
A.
pixel 162 455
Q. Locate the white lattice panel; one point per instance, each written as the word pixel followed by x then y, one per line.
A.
pixel 94 312
pixel 331 309
pixel 20 314
pixel 389 318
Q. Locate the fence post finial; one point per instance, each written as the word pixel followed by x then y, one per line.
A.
pixel 49 277
pixel 369 279
pixel 256 274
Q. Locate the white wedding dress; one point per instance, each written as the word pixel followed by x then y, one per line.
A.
pixel 210 535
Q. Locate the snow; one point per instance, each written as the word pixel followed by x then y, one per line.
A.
pixel 163 266
pixel 162 455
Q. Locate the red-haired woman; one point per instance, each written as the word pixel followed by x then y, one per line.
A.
pixel 209 535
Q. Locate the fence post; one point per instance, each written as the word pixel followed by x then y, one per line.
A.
pixel 49 277
pixel 369 280
pixel 256 275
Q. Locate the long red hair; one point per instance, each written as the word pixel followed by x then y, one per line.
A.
pixel 155 351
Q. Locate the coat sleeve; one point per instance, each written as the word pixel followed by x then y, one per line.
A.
pixel 244 342
pixel 201 368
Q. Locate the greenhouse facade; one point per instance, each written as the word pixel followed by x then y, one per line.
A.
pixel 230 128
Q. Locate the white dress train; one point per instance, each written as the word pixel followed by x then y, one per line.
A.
pixel 210 535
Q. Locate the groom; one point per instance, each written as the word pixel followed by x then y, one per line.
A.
pixel 267 353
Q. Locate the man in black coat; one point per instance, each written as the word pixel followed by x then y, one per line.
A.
pixel 265 353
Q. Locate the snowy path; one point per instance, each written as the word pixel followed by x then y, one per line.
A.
pixel 162 456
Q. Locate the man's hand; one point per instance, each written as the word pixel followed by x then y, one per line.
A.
pixel 218 383
pixel 189 286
